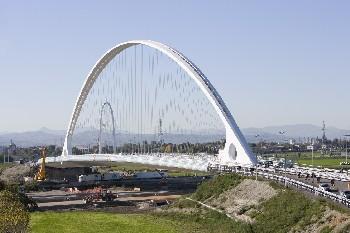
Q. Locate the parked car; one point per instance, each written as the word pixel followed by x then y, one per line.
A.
pixel 345 194
pixel 324 187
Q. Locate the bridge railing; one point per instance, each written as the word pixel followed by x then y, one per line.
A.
pixel 249 171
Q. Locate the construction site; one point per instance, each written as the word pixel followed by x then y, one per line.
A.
pixel 82 186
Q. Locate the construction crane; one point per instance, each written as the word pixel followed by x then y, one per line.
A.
pixel 41 175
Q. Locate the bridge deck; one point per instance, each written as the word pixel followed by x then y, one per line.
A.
pixel 193 162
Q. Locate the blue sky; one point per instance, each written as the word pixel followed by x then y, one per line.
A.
pixel 274 62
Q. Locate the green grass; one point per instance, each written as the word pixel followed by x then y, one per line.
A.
pixel 165 222
pixel 76 222
pixel 289 209
pixel 205 222
pixel 305 158
pixel 324 162
pixel 296 155
pixel 216 186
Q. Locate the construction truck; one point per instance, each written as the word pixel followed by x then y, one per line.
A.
pixel 97 195
pixel 41 174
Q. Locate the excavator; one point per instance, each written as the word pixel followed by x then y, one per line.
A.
pixel 41 174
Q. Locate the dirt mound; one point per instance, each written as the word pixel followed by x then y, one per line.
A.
pixel 331 219
pixel 15 173
pixel 240 200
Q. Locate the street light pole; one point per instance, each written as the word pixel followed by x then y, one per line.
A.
pixel 285 170
pixel 256 168
pixel 256 165
pixel 285 162
pixel 312 155
pixel 346 147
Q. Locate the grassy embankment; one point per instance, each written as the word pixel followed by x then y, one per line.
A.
pixel 286 211
pixel 305 159
pixel 81 221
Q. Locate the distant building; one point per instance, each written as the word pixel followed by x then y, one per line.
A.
pixel 83 149
pixel 12 148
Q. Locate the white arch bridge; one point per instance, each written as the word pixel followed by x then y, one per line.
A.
pixel 136 107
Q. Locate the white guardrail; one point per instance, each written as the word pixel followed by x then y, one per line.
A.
pixel 282 179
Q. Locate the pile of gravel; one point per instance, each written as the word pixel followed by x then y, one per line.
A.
pixel 243 198
pixel 15 174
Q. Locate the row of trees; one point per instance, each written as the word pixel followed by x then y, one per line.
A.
pixel 157 147
pixel 30 153
pixel 330 147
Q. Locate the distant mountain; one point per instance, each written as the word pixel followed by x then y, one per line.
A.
pixel 32 138
pixel 46 136
pixel 52 131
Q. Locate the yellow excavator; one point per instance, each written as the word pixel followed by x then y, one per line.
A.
pixel 41 174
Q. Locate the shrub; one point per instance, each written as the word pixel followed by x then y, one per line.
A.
pixel 216 186
pixel 184 203
pixel 287 210
pixel 2 185
pixel 31 186
pixel 13 216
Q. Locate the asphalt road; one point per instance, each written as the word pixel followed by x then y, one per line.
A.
pixel 338 185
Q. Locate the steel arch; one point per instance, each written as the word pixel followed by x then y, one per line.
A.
pixel 236 148
pixel 113 124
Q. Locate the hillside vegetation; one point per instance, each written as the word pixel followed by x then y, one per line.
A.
pixel 239 205
pixel 259 206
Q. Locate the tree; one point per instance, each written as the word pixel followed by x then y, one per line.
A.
pixel 13 215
